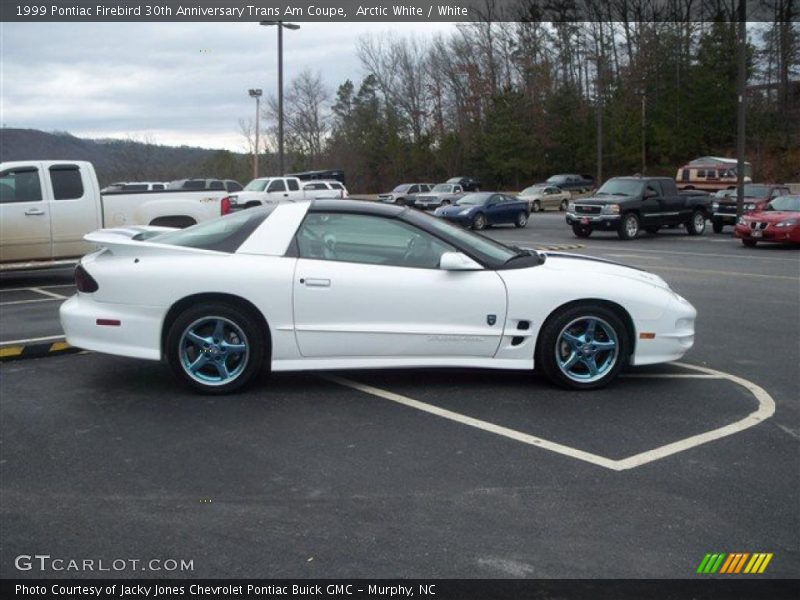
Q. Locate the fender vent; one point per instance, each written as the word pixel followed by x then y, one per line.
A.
pixel 524 325
pixel 517 340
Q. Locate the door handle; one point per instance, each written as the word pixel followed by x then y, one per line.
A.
pixel 34 212
pixel 316 282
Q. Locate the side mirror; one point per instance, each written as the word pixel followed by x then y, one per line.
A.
pixel 456 261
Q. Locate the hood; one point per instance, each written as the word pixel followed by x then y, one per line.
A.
pixel 771 216
pixel 531 196
pixel 240 197
pixel 600 200
pixel 448 211
pixel 578 263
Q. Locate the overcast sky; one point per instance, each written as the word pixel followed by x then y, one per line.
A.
pixel 175 83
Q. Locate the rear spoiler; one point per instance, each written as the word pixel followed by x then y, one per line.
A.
pixel 133 241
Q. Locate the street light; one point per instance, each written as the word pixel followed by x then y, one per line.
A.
pixel 281 25
pixel 257 95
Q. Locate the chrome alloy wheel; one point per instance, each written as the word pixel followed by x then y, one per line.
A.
pixel 586 349
pixel 631 226
pixel 213 351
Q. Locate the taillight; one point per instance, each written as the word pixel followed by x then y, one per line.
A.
pixel 225 206
pixel 84 282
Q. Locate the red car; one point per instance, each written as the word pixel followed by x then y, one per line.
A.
pixel 778 222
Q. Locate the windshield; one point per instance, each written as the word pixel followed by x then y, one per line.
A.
pixel 402 188
pixel 473 200
pixel 756 191
pixel 223 234
pixel 257 185
pixel 534 189
pixel 621 187
pixel 785 203
pixel 556 179
pixel 442 187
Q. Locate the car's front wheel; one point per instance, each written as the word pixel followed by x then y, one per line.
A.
pixel 479 222
pixel 583 346
pixel 563 206
pixel 521 220
pixel 216 347
pixel 537 206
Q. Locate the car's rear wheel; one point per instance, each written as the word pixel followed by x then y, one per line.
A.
pixel 479 222
pixel 521 220
pixel 629 227
pixel 215 347
pixel 537 206
pixel 581 231
pixel 563 206
pixel 749 243
pixel 583 347
pixel 717 226
pixel 697 224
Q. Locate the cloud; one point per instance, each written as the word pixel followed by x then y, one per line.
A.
pixel 179 83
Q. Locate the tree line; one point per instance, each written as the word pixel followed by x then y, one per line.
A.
pixel 511 99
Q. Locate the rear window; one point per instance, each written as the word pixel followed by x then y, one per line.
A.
pixel 67 183
pixel 194 184
pixel 135 187
pixel 223 234
pixel 293 185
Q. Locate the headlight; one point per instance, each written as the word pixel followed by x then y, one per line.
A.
pixel 571 207
pixel 610 209
pixel 715 206
pixel 742 221
pixel 787 223
pixel 749 206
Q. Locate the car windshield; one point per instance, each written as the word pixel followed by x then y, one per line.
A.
pixel 442 187
pixel 785 203
pixel 756 191
pixel 556 179
pixel 402 188
pixel 477 199
pixel 223 234
pixel 621 187
pixel 534 189
pixel 257 185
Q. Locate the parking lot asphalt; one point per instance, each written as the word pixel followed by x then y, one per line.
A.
pixel 429 473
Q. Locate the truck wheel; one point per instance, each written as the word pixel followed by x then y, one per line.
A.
pixel 717 226
pixel 697 224
pixel 581 231
pixel 629 227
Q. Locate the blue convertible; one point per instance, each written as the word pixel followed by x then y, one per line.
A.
pixel 481 209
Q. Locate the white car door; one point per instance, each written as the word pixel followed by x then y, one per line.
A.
pixel 24 215
pixel 368 286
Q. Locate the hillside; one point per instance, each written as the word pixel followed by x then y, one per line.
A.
pixel 123 160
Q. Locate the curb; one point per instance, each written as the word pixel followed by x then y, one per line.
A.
pixel 560 247
pixel 38 350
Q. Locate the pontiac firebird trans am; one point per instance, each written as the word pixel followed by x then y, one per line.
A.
pixel 356 285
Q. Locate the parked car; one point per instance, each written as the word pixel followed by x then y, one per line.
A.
pixel 338 284
pixel 48 206
pixel 228 185
pixel 480 210
pixel 542 196
pixel 442 194
pixel 571 182
pixel 756 197
pixel 468 184
pixel 405 193
pixel 777 222
pixel 272 190
pixel 629 204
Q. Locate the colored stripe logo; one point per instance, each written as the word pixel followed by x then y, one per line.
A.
pixel 734 563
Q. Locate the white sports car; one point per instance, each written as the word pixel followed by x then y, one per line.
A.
pixel 354 285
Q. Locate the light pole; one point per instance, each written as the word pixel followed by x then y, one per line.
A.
pixel 257 95
pixel 599 102
pixel 281 25
pixel 643 94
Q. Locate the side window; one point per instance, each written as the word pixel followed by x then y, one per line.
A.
pixel 20 185
pixel 414 189
pixel 495 199
pixel 158 186
pixel 684 174
pixel 216 185
pixel 293 186
pixel 368 240
pixel 277 185
pixel 128 187
pixel 336 186
pixel 233 186
pixel 66 181
pixel 701 173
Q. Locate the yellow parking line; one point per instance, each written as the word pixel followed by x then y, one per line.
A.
pixel 59 346
pixel 11 351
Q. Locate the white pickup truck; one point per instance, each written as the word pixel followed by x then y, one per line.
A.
pixel 47 206
pixel 274 190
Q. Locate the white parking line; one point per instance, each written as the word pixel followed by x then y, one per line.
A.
pixel 32 301
pixel 48 338
pixel 766 408
pixel 46 293
pixel 38 287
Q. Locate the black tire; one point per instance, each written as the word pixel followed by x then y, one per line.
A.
pixel 563 206
pixel 246 368
pixel 749 243
pixel 479 222
pixel 697 223
pixel 717 226
pixel 537 206
pixel 581 231
pixel 521 220
pixel 629 226
pixel 654 230
pixel 550 348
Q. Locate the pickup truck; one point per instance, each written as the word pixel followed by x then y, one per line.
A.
pixel 274 190
pixel 47 206
pixel 629 204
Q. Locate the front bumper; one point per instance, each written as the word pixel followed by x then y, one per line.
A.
pixel 138 335
pixel 725 218
pixel 778 235
pixel 674 334
pixel 596 221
